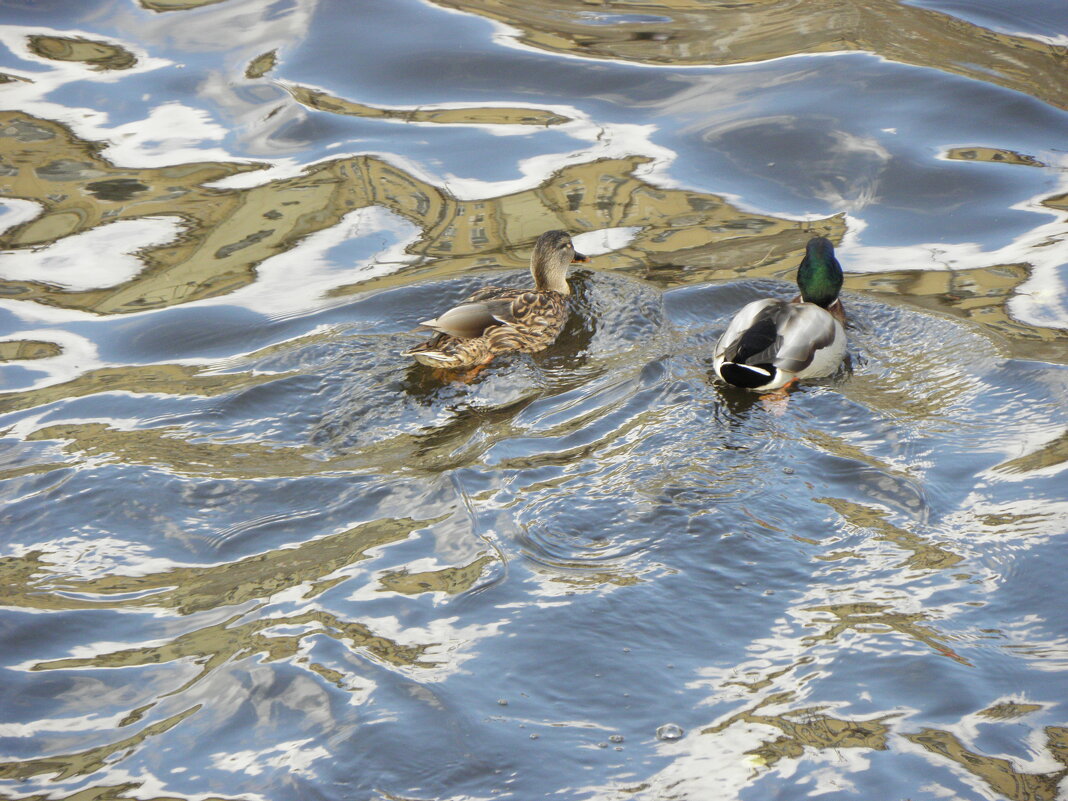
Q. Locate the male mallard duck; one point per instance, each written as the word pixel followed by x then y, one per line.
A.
pixel 771 343
pixel 496 320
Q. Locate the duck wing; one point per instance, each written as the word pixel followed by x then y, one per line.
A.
pixel 470 320
pixel 776 332
pixel 804 330
pixel 751 334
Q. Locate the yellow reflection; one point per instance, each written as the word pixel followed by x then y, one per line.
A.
pixel 999 774
pixel 176 5
pixel 29 580
pixel 168 447
pixel 1009 710
pixel 474 115
pixel 807 727
pixel 262 64
pixel 925 556
pixel 994 155
pixel 27 349
pixel 682 236
pixel 877 618
pixel 1051 454
pixel 450 580
pixel 82 763
pixel 169 379
pixel 214 646
pixel 698 32
pixel 980 294
pixel 100 56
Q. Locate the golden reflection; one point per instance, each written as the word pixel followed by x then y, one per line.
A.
pixel 768 679
pixel 100 56
pixel 30 581
pixel 82 763
pixel 31 469
pixel 450 580
pixel 697 32
pixel 925 556
pixel 980 294
pixel 168 379
pixel 27 349
pixel 681 235
pixel 1009 710
pixel 168 447
pixel 128 791
pixel 481 115
pixel 999 774
pixel 876 618
pixel 176 5
pixel 839 446
pixel 994 155
pixel 1053 453
pixel 807 727
pixel 596 579
pixel 820 732
pixel 1057 743
pixel 214 646
pixel 262 64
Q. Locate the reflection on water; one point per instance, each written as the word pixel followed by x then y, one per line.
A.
pixel 693 32
pixel 247 550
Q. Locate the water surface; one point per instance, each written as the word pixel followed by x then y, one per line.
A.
pixel 248 551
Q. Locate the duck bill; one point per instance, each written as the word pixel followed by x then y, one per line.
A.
pixel 580 258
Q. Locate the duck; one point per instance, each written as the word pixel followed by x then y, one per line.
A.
pixel 496 320
pixel 770 344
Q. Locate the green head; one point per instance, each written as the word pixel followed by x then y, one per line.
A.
pixel 820 275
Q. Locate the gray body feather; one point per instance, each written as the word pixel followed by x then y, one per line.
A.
pixel 470 320
pixel 782 341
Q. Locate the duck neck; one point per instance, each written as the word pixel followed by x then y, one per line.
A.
pixel 546 280
pixel 820 275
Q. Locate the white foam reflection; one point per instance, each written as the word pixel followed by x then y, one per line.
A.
pixel 169 135
pixel 238 28
pixel 77 354
pixel 97 258
pixel 448 644
pixel 16 211
pixel 1041 300
pixel 372 241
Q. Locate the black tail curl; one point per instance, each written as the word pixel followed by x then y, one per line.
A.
pixel 745 376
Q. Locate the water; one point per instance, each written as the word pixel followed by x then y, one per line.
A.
pixel 248 551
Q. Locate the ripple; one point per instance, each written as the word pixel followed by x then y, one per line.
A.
pixel 246 544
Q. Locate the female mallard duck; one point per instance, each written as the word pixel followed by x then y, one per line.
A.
pixel 771 343
pixel 496 320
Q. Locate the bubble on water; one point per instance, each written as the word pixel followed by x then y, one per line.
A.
pixel 788 470
pixel 602 745
pixel 535 736
pixel 616 738
pixel 669 732
pixel 502 701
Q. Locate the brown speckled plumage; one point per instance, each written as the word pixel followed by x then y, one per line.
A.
pixel 498 320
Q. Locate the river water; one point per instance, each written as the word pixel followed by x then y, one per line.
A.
pixel 249 551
